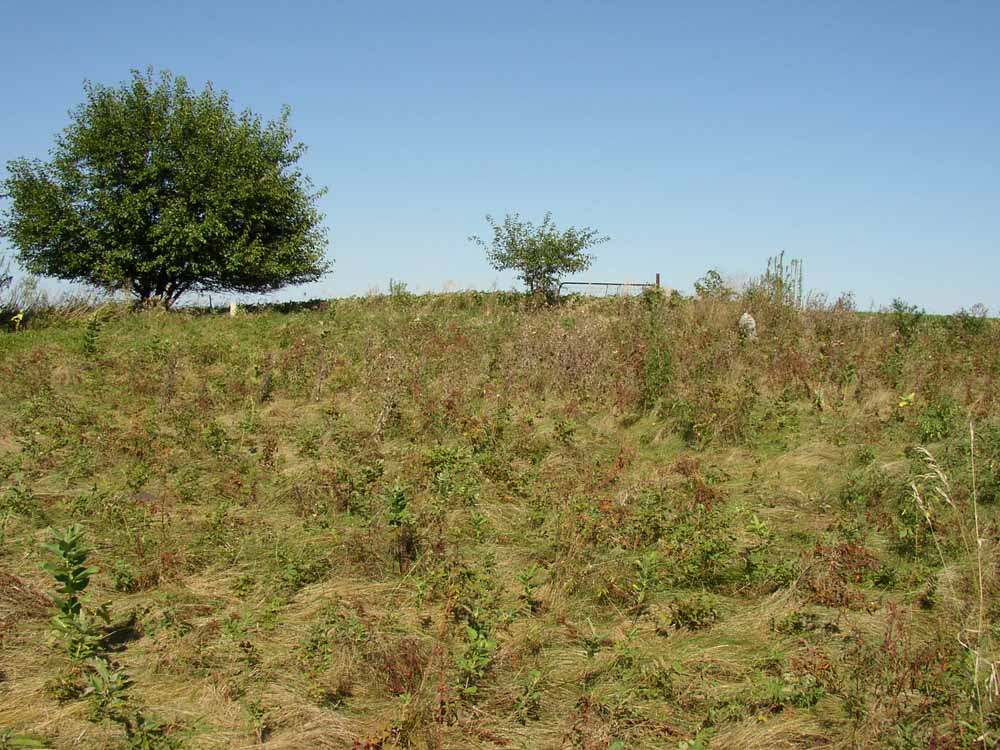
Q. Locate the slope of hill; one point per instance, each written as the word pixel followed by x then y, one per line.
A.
pixel 459 522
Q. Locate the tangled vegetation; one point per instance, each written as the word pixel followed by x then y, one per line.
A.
pixel 461 521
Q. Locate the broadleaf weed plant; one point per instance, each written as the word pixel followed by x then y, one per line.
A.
pixel 81 627
pixel 77 624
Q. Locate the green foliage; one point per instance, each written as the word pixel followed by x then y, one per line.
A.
pixel 67 685
pixel 657 371
pixel 693 612
pixel 355 486
pixel 528 587
pixel 110 687
pixel 398 291
pixel 108 683
pixel 528 703
pixel 781 283
pixel 882 672
pixel 988 464
pixel 647 578
pixel 454 474
pixel 797 623
pixel 400 518
pixel 91 332
pixel 565 429
pixel 700 545
pixel 969 324
pixel 712 286
pixel 11 741
pixel 397 503
pixel 653 298
pixel 160 190
pixel 76 624
pixel 542 255
pixel 866 488
pixel 906 319
pixel 124 577
pixel 310 439
pixel 146 732
pixel 727 412
pixel 333 629
pixel 764 566
pixel 702 740
pixel 216 439
pixel 865 455
pixel 17 498
pixel 475 658
pixel 939 419
pixel 297 566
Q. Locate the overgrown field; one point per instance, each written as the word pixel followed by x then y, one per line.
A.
pixel 458 521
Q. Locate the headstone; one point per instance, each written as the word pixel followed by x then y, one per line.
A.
pixel 748 327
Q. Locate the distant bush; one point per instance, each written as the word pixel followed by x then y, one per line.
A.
pixel 542 255
pixel 906 319
pixel 712 286
pixel 969 323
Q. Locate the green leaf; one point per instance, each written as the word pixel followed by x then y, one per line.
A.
pixel 159 189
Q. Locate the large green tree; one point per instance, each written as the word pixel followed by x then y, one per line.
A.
pixel 541 254
pixel 160 190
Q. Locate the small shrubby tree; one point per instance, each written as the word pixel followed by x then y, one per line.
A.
pixel 159 190
pixel 542 255
pixel 713 286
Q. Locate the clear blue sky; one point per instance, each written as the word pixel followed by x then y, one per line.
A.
pixel 862 137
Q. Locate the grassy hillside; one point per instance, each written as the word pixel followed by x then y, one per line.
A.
pixel 457 521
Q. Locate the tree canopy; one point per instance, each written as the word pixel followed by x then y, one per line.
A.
pixel 541 254
pixel 160 190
